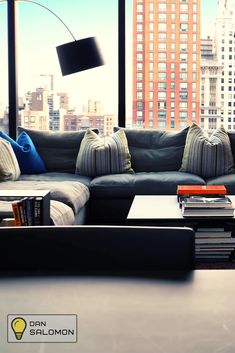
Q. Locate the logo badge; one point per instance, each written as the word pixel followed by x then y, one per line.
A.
pixel 26 328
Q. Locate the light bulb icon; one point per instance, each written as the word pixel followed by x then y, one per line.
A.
pixel 18 325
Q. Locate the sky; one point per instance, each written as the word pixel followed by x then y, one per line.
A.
pixel 37 54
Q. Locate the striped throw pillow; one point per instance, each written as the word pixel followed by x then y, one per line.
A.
pixel 207 156
pixel 97 156
pixel 9 167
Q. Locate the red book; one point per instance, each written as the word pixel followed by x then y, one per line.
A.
pixel 201 190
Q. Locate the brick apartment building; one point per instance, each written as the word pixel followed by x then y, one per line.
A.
pixel 166 63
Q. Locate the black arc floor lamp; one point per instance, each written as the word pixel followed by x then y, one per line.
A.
pixel 75 56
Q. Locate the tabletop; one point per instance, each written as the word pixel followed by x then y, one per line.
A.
pixel 162 207
pixel 167 312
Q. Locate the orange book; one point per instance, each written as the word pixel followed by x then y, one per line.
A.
pixel 16 213
pixel 201 190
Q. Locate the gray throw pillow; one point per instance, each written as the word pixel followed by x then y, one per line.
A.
pixel 98 156
pixel 207 156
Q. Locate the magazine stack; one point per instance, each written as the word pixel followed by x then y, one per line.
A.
pixel 214 244
pixel 200 206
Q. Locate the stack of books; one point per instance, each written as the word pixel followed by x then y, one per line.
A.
pixel 214 239
pixel 213 244
pixel 204 201
pixel 28 211
pixel 198 206
pixel 28 207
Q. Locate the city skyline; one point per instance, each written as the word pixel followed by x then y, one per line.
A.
pixel 82 22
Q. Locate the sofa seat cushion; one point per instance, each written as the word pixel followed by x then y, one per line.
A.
pixel 113 186
pixel 126 186
pixel 73 194
pixel 227 180
pixel 56 176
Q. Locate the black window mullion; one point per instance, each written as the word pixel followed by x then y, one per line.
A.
pixel 12 68
pixel 121 64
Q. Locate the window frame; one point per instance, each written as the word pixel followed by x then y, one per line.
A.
pixel 12 61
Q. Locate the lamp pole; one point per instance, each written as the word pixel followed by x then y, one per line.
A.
pixel 12 67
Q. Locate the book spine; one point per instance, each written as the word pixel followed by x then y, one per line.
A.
pixel 22 220
pixel 29 208
pixel 38 211
pixel 16 213
pixel 24 208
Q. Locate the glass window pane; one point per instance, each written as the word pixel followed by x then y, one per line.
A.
pixel 196 54
pixel 3 69
pixel 71 102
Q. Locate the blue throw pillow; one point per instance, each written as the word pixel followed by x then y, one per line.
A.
pixel 28 158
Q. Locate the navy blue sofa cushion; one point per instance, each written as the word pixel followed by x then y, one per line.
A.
pixel 58 149
pixel 227 180
pixel 231 136
pixel 155 150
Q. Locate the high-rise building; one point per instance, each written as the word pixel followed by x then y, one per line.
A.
pixel 211 70
pixel 43 109
pixel 63 100
pixel 39 100
pixel 166 63
pixel 225 50
pixel 93 108
pixel 104 123
pixel 4 121
pixel 35 114
pixel 35 120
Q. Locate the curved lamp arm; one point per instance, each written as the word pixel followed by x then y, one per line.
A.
pixel 75 56
pixel 53 13
pixel 46 8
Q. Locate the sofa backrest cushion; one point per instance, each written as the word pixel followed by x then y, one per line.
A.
pixel 207 156
pixel 155 150
pixel 58 149
pixel 231 135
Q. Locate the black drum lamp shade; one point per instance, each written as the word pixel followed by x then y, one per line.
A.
pixel 79 55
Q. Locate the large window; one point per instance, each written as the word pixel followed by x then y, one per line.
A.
pixel 78 101
pixel 172 51
pixel 189 39
pixel 3 69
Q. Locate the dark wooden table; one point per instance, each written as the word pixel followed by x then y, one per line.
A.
pixel 170 312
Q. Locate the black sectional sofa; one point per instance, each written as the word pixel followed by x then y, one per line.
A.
pixel 156 159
